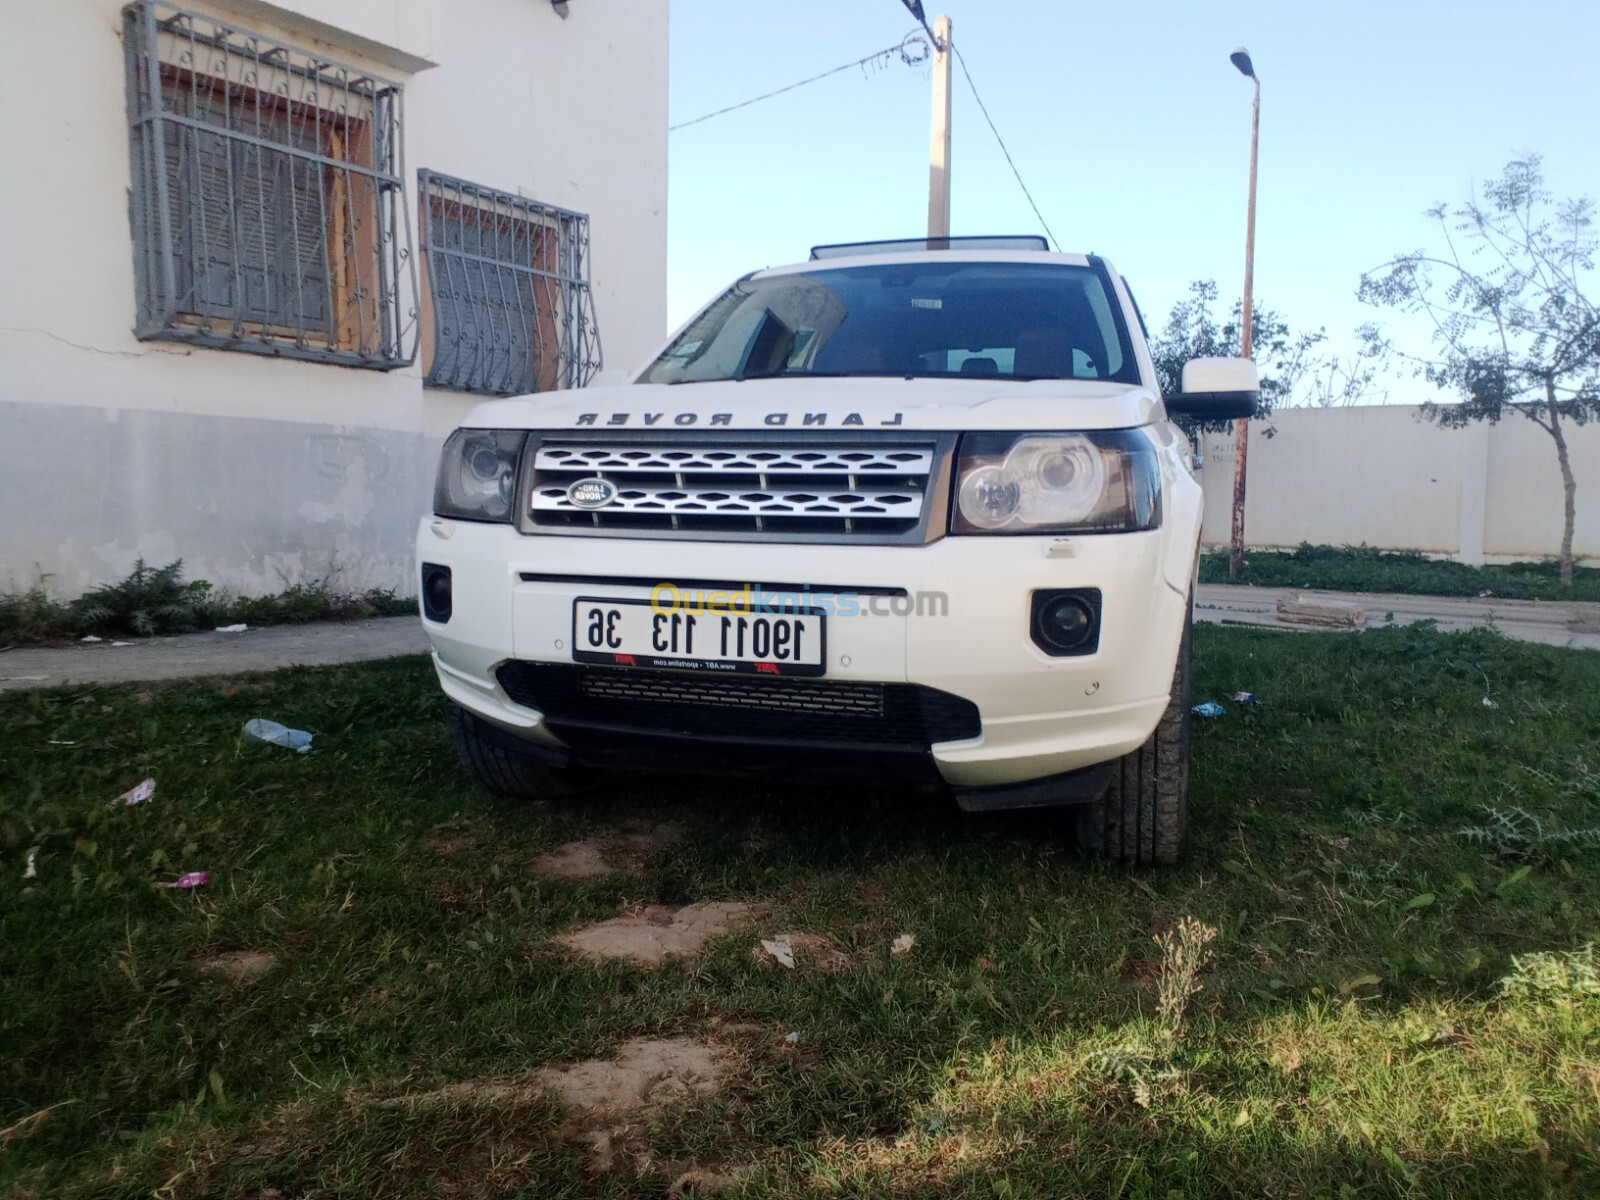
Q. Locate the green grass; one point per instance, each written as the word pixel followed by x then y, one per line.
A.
pixel 1364 569
pixel 1353 1038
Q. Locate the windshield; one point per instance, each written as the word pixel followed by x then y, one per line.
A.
pixel 933 319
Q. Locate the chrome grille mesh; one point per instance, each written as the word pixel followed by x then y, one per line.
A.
pixel 898 460
pixel 758 488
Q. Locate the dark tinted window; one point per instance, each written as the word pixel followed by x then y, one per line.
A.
pixel 936 319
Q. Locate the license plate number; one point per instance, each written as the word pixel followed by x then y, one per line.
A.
pixel 631 633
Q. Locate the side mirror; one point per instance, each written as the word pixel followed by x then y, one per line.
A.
pixel 1217 389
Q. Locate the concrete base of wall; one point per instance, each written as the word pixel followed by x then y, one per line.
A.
pixel 250 505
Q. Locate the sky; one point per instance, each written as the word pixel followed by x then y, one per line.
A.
pixel 1132 130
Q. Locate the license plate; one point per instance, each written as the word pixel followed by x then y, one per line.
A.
pixel 631 633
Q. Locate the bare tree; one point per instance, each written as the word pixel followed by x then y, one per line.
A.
pixel 1295 368
pixel 1514 329
pixel 1334 381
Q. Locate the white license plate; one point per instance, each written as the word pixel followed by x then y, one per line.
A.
pixel 631 633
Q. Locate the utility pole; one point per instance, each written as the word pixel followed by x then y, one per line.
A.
pixel 1241 59
pixel 939 153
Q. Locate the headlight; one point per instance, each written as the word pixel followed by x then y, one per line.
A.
pixel 1102 482
pixel 478 474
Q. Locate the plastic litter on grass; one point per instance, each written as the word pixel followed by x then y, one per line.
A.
pixel 137 794
pixel 902 945
pixel 1209 709
pixel 191 879
pixel 1245 698
pixel 274 734
pixel 781 950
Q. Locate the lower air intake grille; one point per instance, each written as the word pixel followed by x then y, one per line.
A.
pixel 777 696
pixel 780 712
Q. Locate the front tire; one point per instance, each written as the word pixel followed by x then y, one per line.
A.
pixel 1143 817
pixel 505 772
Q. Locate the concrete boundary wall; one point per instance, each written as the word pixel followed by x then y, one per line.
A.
pixel 1381 476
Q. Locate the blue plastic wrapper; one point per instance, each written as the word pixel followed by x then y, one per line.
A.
pixel 271 732
pixel 1209 709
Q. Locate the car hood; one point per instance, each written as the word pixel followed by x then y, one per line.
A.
pixel 857 403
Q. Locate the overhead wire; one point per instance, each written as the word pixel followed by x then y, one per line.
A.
pixel 960 58
pixel 908 49
pixel 904 48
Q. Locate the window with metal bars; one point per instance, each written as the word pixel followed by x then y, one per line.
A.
pixel 507 280
pixel 267 205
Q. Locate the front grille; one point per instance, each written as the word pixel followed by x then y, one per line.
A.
pixel 805 487
pixel 778 712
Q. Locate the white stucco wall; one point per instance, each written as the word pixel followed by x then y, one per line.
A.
pixel 261 471
pixel 1382 477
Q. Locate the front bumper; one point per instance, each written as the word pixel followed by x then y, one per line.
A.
pixel 958 625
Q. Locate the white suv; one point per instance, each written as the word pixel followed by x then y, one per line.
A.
pixel 908 508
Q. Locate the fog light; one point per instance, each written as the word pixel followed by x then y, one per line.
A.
pixel 1067 622
pixel 436 592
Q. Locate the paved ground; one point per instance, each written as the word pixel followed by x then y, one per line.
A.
pixel 212 653
pixel 1556 624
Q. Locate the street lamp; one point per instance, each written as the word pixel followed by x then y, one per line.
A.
pixel 1241 59
pixel 915 7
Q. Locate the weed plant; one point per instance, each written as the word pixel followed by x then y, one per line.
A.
pixel 155 601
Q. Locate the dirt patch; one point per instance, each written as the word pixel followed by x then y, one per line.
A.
pixel 606 1096
pixel 647 1073
pixel 639 838
pixel 575 860
pixel 630 849
pixel 658 933
pixel 702 1181
pixel 457 899
pixel 452 837
pixel 811 950
pixel 872 893
pixel 239 964
pixel 1142 973
pixel 475 1091
pixel 737 1029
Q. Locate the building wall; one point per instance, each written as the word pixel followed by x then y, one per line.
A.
pixel 264 471
pixel 1381 476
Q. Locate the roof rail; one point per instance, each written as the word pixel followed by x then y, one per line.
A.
pixel 1020 241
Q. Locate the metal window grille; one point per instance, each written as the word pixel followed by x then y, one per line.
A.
pixel 508 279
pixel 267 206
